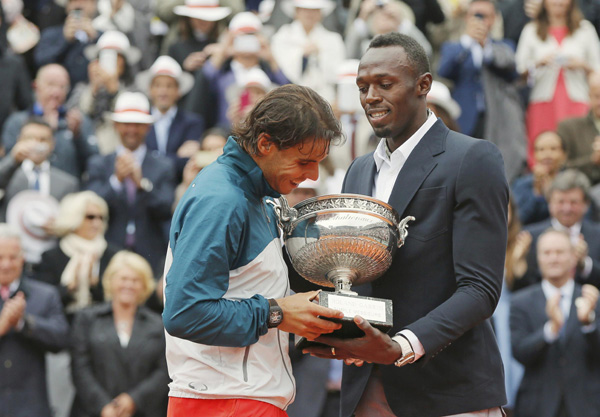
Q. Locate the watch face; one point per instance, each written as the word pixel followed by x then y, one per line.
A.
pixel 275 317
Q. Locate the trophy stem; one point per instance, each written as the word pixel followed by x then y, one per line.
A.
pixel 342 279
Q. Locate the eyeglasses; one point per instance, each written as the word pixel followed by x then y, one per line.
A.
pixel 94 216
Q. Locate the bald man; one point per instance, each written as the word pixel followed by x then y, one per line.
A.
pixel 73 132
pixel 582 135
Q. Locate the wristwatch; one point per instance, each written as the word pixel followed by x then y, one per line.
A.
pixel 275 314
pixel 408 354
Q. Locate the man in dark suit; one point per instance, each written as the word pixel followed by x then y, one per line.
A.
pixel 31 323
pixel 555 336
pixel 568 202
pixel 445 281
pixel 176 132
pixel 137 184
pixel 27 166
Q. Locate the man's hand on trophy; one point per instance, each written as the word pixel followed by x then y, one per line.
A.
pixel 375 346
pixel 303 317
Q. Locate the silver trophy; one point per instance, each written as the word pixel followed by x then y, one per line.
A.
pixel 340 240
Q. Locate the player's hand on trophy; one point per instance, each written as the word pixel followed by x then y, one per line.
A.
pixel 303 317
pixel 375 346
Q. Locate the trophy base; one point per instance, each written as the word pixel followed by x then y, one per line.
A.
pixel 377 311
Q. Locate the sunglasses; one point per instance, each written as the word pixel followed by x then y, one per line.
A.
pixel 94 216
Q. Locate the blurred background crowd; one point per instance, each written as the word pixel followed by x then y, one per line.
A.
pixel 109 109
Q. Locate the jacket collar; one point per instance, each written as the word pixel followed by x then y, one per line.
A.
pixel 252 176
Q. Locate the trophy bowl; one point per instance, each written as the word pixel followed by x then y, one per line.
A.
pixel 340 240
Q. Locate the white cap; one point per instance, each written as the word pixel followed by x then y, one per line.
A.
pixel 113 39
pixel 440 96
pixel 132 108
pixel 347 71
pixel 245 22
pixel 208 10
pixel 257 78
pixel 289 6
pixel 165 65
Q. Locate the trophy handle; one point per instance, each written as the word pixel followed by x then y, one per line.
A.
pixel 403 228
pixel 285 214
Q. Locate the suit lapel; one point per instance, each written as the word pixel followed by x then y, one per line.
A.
pixel 418 166
pixel 175 125
pixel 151 141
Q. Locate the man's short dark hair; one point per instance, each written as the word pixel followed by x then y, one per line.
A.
pixel 36 120
pixel 289 114
pixel 414 51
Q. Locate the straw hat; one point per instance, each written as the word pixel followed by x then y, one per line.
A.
pixel 113 39
pixel 289 6
pixel 440 96
pixel 208 10
pixel 132 108
pixel 245 22
pixel 165 65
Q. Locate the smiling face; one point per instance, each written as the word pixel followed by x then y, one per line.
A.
pixel 548 151
pixel 285 169
pixel 391 94
pixel 127 286
pixel 93 222
pixel 568 207
pixel 164 92
pixel 11 260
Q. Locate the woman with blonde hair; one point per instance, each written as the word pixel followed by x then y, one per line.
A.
pixel 82 254
pixel 118 349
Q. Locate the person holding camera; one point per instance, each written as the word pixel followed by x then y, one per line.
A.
pixel 483 71
pixel 27 166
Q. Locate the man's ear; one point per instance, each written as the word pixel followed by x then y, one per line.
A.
pixel 265 145
pixel 424 84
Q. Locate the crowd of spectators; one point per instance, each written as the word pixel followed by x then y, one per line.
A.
pixel 109 108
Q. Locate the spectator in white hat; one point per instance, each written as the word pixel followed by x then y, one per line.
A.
pixel 64 44
pixel 255 86
pixel 443 105
pixel 243 50
pixel 176 132
pixel 136 183
pixel 308 53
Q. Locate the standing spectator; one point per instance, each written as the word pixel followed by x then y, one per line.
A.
pixel 136 183
pixel 74 142
pixel 76 265
pixel 556 52
pixel 31 323
pixel 64 44
pixel 483 71
pixel 568 201
pixel 118 347
pixel 308 53
pixel 176 132
pixel 27 166
pixel 530 191
pixel 581 135
pixel 554 335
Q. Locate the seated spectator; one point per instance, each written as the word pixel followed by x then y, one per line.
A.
pixel 31 324
pixel 118 349
pixel 110 71
pixel 116 15
pixel 243 50
pixel 82 255
pixel 530 191
pixel 74 142
pixel 377 17
pixel 27 167
pixel 136 183
pixel 441 103
pixel 581 135
pixel 176 132
pixel 16 83
pixel 568 202
pixel 556 51
pixel 555 336
pixel 483 71
pixel 307 53
pixel 64 44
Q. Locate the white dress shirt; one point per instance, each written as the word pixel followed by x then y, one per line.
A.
pixel 162 125
pixel 44 175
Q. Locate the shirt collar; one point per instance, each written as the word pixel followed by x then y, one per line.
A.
pixel 170 114
pixel 566 290
pixel 139 154
pixel 575 229
pixel 403 151
pixel 28 166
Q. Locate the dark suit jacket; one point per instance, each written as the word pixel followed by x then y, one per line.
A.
pixel 54 262
pixel 591 234
pixel 446 280
pixel 569 368
pixel 151 209
pixel 22 370
pixel 578 135
pixel 102 369
pixel 185 126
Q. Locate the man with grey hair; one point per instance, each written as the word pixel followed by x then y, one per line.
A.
pixel 31 323
pixel 568 202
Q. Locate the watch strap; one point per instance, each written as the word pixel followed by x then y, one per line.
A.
pixel 408 354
